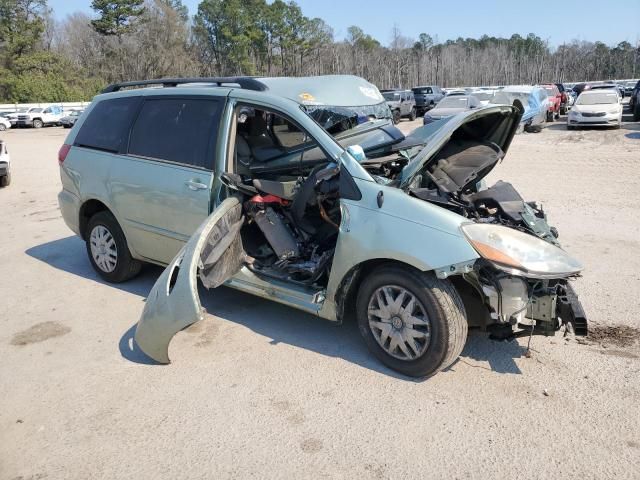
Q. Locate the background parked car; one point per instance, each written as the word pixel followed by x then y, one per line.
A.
pixel 427 96
pixel 628 87
pixel 402 104
pixel 581 87
pixel 598 107
pixel 39 117
pixel 5 165
pixel 449 106
pixel 484 95
pixel 634 103
pixel 564 98
pixel 69 120
pixel 533 99
pixel 4 123
pixel 555 101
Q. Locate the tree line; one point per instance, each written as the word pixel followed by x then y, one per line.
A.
pixel 44 59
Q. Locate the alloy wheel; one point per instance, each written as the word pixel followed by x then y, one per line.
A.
pixel 103 248
pixel 399 322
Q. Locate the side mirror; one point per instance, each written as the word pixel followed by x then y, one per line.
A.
pixel 357 153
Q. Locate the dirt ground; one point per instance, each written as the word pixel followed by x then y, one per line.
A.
pixel 258 390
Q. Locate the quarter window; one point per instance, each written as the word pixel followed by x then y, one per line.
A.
pixel 107 125
pixel 177 130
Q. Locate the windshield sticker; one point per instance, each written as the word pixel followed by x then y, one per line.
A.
pixel 308 99
pixel 371 93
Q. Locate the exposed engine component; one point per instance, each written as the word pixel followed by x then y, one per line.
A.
pixel 277 233
pixel 508 299
pixel 299 235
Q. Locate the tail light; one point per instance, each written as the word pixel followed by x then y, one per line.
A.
pixel 62 153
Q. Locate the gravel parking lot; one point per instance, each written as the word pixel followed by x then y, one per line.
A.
pixel 258 390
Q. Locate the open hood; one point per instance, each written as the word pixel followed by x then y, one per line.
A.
pixel 492 126
pixel 376 138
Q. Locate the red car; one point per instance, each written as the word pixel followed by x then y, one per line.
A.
pixel 555 100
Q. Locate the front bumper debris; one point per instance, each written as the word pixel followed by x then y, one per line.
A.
pixel 173 303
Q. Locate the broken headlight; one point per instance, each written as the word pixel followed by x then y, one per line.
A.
pixel 520 253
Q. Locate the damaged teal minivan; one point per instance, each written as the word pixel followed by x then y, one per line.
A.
pixel 301 190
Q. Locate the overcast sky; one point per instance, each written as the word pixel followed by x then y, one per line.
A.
pixel 556 21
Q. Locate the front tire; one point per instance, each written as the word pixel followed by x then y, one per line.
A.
pixel 108 250
pixel 636 112
pixel 37 123
pixel 396 116
pixel 411 321
pixel 2 127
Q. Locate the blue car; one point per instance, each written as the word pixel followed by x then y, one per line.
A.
pixel 534 100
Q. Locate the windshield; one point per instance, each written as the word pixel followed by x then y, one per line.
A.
pixel 453 102
pixel 36 110
pixel 339 119
pixel 391 96
pixel 507 98
pixel 599 98
pixel 75 114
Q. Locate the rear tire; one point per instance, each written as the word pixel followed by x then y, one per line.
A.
pixel 5 180
pixel 108 250
pixel 433 343
pixel 2 127
pixel 636 112
pixel 413 114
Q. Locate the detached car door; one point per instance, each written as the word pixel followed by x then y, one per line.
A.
pixel 161 188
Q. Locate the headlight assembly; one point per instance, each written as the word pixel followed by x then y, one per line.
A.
pixel 520 253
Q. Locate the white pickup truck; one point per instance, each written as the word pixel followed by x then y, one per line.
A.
pixel 39 117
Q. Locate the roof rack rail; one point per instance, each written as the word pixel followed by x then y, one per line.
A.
pixel 248 83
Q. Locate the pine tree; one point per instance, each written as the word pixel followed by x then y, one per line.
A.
pixel 116 15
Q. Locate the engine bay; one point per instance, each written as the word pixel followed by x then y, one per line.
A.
pixel 453 179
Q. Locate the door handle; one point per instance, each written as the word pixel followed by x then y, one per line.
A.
pixel 195 185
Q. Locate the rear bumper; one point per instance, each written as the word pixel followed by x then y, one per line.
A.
pixel 70 209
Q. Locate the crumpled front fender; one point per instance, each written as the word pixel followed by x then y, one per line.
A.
pixel 173 303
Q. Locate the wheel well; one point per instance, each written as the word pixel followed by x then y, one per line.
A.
pixel 88 210
pixel 347 291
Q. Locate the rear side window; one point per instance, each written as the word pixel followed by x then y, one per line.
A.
pixel 179 130
pixel 107 126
